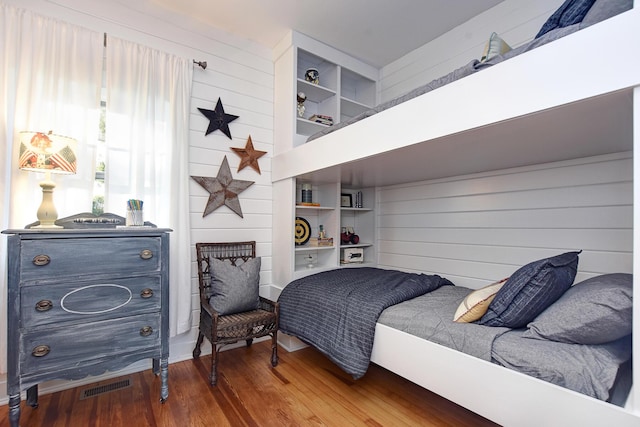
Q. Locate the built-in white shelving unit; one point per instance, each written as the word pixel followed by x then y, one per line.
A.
pixel 345 88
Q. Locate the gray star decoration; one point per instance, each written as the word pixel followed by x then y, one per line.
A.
pixel 223 189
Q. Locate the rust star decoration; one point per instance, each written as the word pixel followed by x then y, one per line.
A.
pixel 223 189
pixel 249 156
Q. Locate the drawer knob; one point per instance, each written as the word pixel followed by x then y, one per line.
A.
pixel 44 305
pixel 146 331
pixel 146 254
pixel 146 293
pixel 40 350
pixel 40 260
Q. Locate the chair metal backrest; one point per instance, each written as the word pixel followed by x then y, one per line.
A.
pixel 231 251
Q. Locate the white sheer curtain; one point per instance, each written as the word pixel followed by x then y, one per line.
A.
pixel 50 79
pixel 148 94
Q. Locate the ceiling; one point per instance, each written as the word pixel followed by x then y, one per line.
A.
pixel 376 31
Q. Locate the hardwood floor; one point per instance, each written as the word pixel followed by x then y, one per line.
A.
pixel 305 389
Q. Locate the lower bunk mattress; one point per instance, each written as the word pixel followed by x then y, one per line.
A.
pixel 593 370
pixel 336 312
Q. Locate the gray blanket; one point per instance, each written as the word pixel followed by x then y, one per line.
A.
pixel 469 68
pixel 431 317
pixel 336 311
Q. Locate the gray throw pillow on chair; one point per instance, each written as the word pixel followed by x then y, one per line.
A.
pixel 234 289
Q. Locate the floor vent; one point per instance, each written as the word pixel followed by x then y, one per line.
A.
pixel 105 388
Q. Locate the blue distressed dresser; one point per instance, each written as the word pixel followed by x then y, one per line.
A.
pixel 82 302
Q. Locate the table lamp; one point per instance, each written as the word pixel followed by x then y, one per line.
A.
pixel 48 153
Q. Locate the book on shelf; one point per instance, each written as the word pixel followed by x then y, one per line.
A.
pixel 307 204
pixel 321 242
pixel 323 119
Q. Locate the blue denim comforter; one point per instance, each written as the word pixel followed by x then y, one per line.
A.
pixel 336 311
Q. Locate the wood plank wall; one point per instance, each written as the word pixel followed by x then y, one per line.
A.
pixel 239 72
pixel 516 21
pixel 480 228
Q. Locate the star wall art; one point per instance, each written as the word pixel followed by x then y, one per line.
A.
pixel 218 119
pixel 223 189
pixel 249 156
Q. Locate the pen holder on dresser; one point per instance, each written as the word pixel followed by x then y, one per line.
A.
pixel 134 217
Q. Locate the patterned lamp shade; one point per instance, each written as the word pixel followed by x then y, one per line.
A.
pixel 41 152
pixel 47 153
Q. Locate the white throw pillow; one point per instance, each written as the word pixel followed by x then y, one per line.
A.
pixel 476 303
pixel 495 46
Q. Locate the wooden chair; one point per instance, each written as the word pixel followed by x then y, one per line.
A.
pixel 221 330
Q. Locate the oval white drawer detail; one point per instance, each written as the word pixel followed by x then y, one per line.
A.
pixel 96 299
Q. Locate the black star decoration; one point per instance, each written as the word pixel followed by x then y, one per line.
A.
pixel 223 189
pixel 249 156
pixel 218 119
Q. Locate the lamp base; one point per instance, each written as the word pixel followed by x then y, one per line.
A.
pixel 47 213
pixel 47 226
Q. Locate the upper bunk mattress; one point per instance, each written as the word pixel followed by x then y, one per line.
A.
pixel 589 12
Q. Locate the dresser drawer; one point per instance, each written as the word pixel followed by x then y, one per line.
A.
pixel 63 347
pixel 88 301
pixel 53 258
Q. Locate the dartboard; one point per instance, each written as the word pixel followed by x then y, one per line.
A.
pixel 302 231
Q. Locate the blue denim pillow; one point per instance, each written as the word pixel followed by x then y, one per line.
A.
pixel 569 13
pixel 530 290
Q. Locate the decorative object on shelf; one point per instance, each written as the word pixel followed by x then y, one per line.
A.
pixel 312 75
pixel 321 232
pixel 223 189
pixel 345 200
pixel 302 231
pixel 311 261
pixel 351 255
pixel 344 236
pixel 319 242
pixel 48 153
pixel 322 119
pixel 249 156
pixel 218 119
pixel 301 97
pixel 359 199
pixel 307 194
pixel 348 236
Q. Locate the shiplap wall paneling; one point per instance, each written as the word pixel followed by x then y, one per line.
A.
pixel 240 72
pixel 480 228
pixel 515 21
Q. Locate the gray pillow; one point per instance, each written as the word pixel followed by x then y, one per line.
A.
pixel 234 289
pixel 530 290
pixel 605 9
pixel 595 311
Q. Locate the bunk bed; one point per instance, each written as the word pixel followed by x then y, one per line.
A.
pixel 588 83
pixel 537 321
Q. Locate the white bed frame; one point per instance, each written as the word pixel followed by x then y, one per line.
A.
pixel 589 79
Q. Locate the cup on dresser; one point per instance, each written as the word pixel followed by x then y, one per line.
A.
pixel 134 216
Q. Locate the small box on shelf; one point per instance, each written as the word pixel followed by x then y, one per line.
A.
pixel 352 255
pixel 321 242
